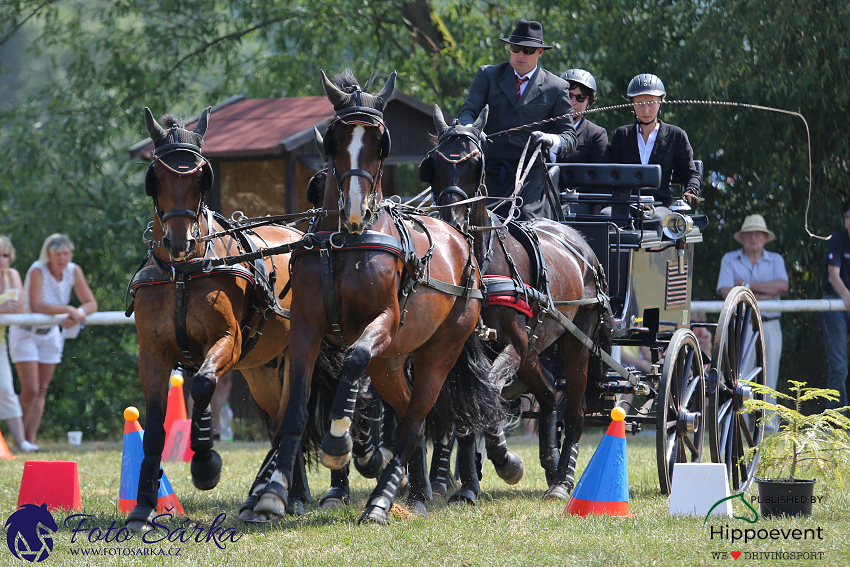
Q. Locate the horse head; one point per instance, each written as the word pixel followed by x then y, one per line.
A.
pixel 357 143
pixel 177 179
pixel 455 168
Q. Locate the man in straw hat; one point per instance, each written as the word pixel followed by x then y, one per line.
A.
pixel 520 92
pixel 764 273
pixel 836 324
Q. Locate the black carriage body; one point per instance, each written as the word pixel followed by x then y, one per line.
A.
pixel 649 295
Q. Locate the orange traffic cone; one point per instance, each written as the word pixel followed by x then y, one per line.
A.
pixel 131 461
pixel 176 405
pixel 604 484
pixel 5 453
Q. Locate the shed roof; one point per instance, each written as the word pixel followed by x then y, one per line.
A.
pixel 251 127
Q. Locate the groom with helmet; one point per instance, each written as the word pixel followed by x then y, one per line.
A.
pixel 651 141
pixel 520 92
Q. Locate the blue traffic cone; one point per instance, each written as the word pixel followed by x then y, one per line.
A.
pixel 131 462
pixel 604 484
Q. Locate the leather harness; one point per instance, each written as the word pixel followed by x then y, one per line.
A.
pixel 154 271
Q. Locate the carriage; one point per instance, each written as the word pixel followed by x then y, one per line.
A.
pixel 649 266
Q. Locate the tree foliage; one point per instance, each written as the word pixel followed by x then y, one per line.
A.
pixel 65 132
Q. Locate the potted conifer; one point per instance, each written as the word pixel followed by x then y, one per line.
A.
pixel 805 445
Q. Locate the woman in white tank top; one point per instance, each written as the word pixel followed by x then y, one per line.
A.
pixel 36 350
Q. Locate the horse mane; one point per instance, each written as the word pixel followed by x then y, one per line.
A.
pixel 169 120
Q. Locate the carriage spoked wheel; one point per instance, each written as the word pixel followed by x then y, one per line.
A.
pixel 680 406
pixel 737 356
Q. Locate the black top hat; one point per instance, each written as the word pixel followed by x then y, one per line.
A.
pixel 529 34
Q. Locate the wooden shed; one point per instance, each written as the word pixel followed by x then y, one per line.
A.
pixel 263 153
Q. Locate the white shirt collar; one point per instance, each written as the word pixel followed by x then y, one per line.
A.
pixel 645 148
pixel 527 75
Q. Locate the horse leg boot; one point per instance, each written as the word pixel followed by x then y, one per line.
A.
pixel 206 463
pixel 337 443
pixel 565 476
pixel 468 467
pixel 246 511
pixel 368 459
pixel 440 476
pixel 389 426
pixel 420 485
pixel 507 463
pixel 299 494
pixel 274 498
pixel 382 498
pixel 549 455
pixel 338 495
pixel 143 514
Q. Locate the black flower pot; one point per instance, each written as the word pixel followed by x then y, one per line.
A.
pixel 785 497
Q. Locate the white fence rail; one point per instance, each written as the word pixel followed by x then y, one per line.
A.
pixel 118 318
pixel 781 305
pixel 100 318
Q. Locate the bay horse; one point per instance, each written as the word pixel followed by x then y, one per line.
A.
pixel 382 286
pixel 536 275
pixel 209 319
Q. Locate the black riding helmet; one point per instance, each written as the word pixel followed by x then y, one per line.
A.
pixel 646 84
pixel 582 79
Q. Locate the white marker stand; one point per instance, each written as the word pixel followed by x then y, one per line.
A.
pixel 697 487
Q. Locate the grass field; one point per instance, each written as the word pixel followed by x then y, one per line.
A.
pixel 510 526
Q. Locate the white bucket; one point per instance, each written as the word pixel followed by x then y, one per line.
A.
pixel 75 437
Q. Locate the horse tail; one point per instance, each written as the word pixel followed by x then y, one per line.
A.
pixel 470 400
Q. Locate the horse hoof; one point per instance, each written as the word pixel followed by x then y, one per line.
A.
pixel 271 504
pixel 251 517
pixel 440 489
pixel 464 496
pixel 417 508
pixel 334 462
pixel 556 492
pixel 206 474
pixel 511 471
pixel 374 515
pixel 336 451
pixel 296 508
pixel 138 526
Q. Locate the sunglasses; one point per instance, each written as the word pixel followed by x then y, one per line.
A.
pixel 579 98
pixel 524 49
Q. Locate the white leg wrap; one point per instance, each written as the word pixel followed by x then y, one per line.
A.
pixel 280 479
pixel 340 426
pixel 387 454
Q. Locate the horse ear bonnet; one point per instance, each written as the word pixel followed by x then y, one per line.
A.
pixel 426 169
pixel 179 150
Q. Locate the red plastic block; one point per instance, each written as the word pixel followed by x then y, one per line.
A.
pixel 55 483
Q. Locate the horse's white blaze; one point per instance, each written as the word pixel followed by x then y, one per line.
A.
pixel 356 198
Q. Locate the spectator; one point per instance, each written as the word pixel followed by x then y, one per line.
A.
pixel 37 349
pixel 10 302
pixel 764 273
pixel 835 324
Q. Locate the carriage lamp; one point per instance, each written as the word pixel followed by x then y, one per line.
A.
pixel 677 225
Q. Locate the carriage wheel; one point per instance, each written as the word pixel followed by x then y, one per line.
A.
pixel 680 406
pixel 737 355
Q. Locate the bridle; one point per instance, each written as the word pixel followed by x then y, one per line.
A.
pixel 159 154
pixel 370 118
pixel 455 159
